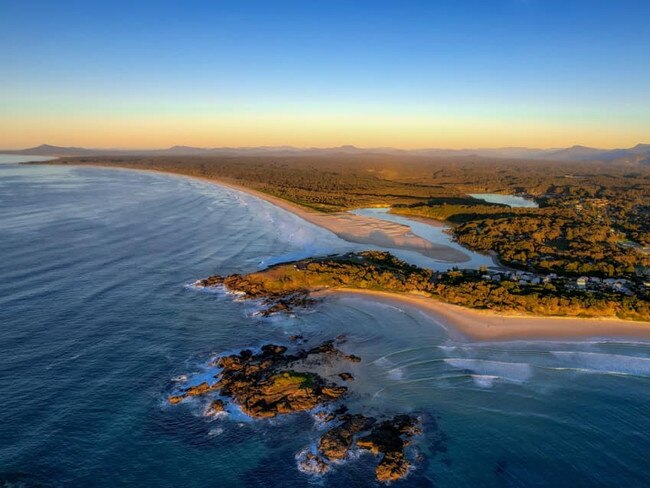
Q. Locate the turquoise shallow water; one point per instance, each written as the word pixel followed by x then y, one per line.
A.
pixel 97 318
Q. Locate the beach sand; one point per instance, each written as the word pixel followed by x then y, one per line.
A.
pixel 485 325
pixel 360 229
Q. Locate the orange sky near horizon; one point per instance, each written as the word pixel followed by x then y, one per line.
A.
pixel 309 131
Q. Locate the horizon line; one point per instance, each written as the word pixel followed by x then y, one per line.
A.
pixel 341 146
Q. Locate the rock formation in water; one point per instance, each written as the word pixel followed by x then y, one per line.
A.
pixel 387 440
pixel 274 382
pixel 273 301
pixel 265 385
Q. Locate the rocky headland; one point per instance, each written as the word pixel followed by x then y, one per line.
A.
pixel 287 286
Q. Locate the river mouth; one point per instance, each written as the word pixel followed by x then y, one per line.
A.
pixel 435 234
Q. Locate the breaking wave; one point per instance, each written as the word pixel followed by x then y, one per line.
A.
pixel 594 362
pixel 512 372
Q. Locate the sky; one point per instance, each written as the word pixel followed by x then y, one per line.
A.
pixel 408 74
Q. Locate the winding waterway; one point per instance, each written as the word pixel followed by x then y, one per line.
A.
pixel 97 318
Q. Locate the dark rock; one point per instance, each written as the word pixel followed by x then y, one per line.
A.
pixel 264 385
pixel 392 467
pixel 313 464
pixel 388 439
pixel 346 376
pixel 216 407
pixel 272 350
pixel 336 442
pixel 215 280
pixel 197 390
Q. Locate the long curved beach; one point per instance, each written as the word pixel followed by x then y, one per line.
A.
pixel 474 324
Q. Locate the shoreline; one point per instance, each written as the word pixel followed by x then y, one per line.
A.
pixel 480 325
pixel 347 226
pixel 486 325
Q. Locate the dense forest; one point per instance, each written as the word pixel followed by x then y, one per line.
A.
pixel 593 218
pixel 588 235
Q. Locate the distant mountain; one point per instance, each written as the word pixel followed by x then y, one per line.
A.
pixel 501 152
pixel 639 154
pixel 575 153
pixel 47 150
pixel 634 155
pixel 184 150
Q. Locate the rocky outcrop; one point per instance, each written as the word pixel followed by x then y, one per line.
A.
pixel 273 301
pixel 336 442
pixel 216 407
pixel 274 382
pixel 265 385
pixel 387 440
pixel 311 463
pixel 197 390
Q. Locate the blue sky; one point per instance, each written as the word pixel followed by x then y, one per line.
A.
pixel 411 74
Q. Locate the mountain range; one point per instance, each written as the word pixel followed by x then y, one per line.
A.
pixel 639 154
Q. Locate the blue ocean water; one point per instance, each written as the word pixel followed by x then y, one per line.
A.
pixel 96 318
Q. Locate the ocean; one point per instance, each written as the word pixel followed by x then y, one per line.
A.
pixel 98 317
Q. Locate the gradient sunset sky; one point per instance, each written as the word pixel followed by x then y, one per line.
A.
pixel 448 73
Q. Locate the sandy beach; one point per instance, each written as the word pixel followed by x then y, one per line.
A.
pixel 360 229
pixel 490 326
pixel 347 226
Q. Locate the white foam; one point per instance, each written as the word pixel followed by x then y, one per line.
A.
pixel 307 466
pixel 396 374
pixel 513 372
pixel 215 432
pixel 383 362
pixel 594 362
pixel 484 380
